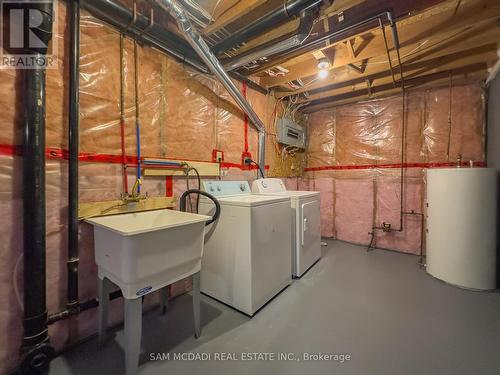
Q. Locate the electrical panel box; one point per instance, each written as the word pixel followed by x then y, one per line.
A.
pixel 290 133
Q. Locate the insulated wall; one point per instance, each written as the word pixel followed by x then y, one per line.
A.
pixel 493 147
pixel 182 114
pixel 355 159
pixel 494 124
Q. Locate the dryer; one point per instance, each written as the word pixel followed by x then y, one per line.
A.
pixel 305 222
pixel 246 259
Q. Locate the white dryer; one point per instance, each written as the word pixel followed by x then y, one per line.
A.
pixel 305 221
pixel 246 259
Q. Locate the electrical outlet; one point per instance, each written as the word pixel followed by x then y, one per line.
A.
pixel 246 159
pixel 217 156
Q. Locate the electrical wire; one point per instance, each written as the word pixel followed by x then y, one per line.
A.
pixel 199 187
pixel 258 167
pixel 187 186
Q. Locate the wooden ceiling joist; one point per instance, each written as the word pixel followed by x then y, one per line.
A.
pixel 431 27
pixel 482 56
pixel 350 17
pixel 460 76
pixel 236 11
pixel 477 37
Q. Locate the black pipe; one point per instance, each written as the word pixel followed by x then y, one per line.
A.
pixel 35 311
pixel 82 306
pixel 36 349
pixel 268 21
pixel 154 35
pixel 73 140
pixel 142 27
pixel 143 30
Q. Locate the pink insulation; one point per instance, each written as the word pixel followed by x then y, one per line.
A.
pixel 326 187
pixel 354 159
pixel 353 209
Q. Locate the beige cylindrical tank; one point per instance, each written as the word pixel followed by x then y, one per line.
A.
pixel 462 226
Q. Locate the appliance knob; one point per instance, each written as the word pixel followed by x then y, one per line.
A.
pixel 264 184
pixel 242 187
pixel 219 188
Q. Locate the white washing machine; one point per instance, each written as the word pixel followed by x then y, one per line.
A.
pixel 246 259
pixel 305 222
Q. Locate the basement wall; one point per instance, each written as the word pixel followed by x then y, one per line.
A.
pixel 493 155
pixel 493 147
pixel 183 114
pixel 354 159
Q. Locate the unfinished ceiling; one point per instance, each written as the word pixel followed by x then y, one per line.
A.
pixel 440 42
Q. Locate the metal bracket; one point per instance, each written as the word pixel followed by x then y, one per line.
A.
pixel 134 18
pixel 151 22
pixel 369 86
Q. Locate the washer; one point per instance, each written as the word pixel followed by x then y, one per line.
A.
pixel 305 222
pixel 246 259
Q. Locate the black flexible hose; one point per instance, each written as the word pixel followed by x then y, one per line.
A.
pixel 184 196
pixel 259 167
pixel 199 187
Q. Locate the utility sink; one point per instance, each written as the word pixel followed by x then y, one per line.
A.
pixel 144 251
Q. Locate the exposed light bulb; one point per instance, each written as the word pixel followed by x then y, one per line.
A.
pixel 323 73
pixel 323 63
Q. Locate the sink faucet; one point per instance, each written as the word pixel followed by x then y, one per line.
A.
pixel 134 196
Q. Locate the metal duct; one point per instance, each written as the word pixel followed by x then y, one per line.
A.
pixel 342 32
pixel 267 22
pixel 273 47
pixel 202 49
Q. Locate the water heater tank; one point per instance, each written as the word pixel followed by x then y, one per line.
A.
pixel 462 226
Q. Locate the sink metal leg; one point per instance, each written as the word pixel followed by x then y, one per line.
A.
pixel 104 289
pixel 133 327
pixel 196 304
pixel 163 300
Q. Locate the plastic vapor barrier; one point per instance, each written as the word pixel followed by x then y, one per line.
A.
pixel 354 159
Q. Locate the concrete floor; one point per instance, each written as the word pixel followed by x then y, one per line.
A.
pixel 378 307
